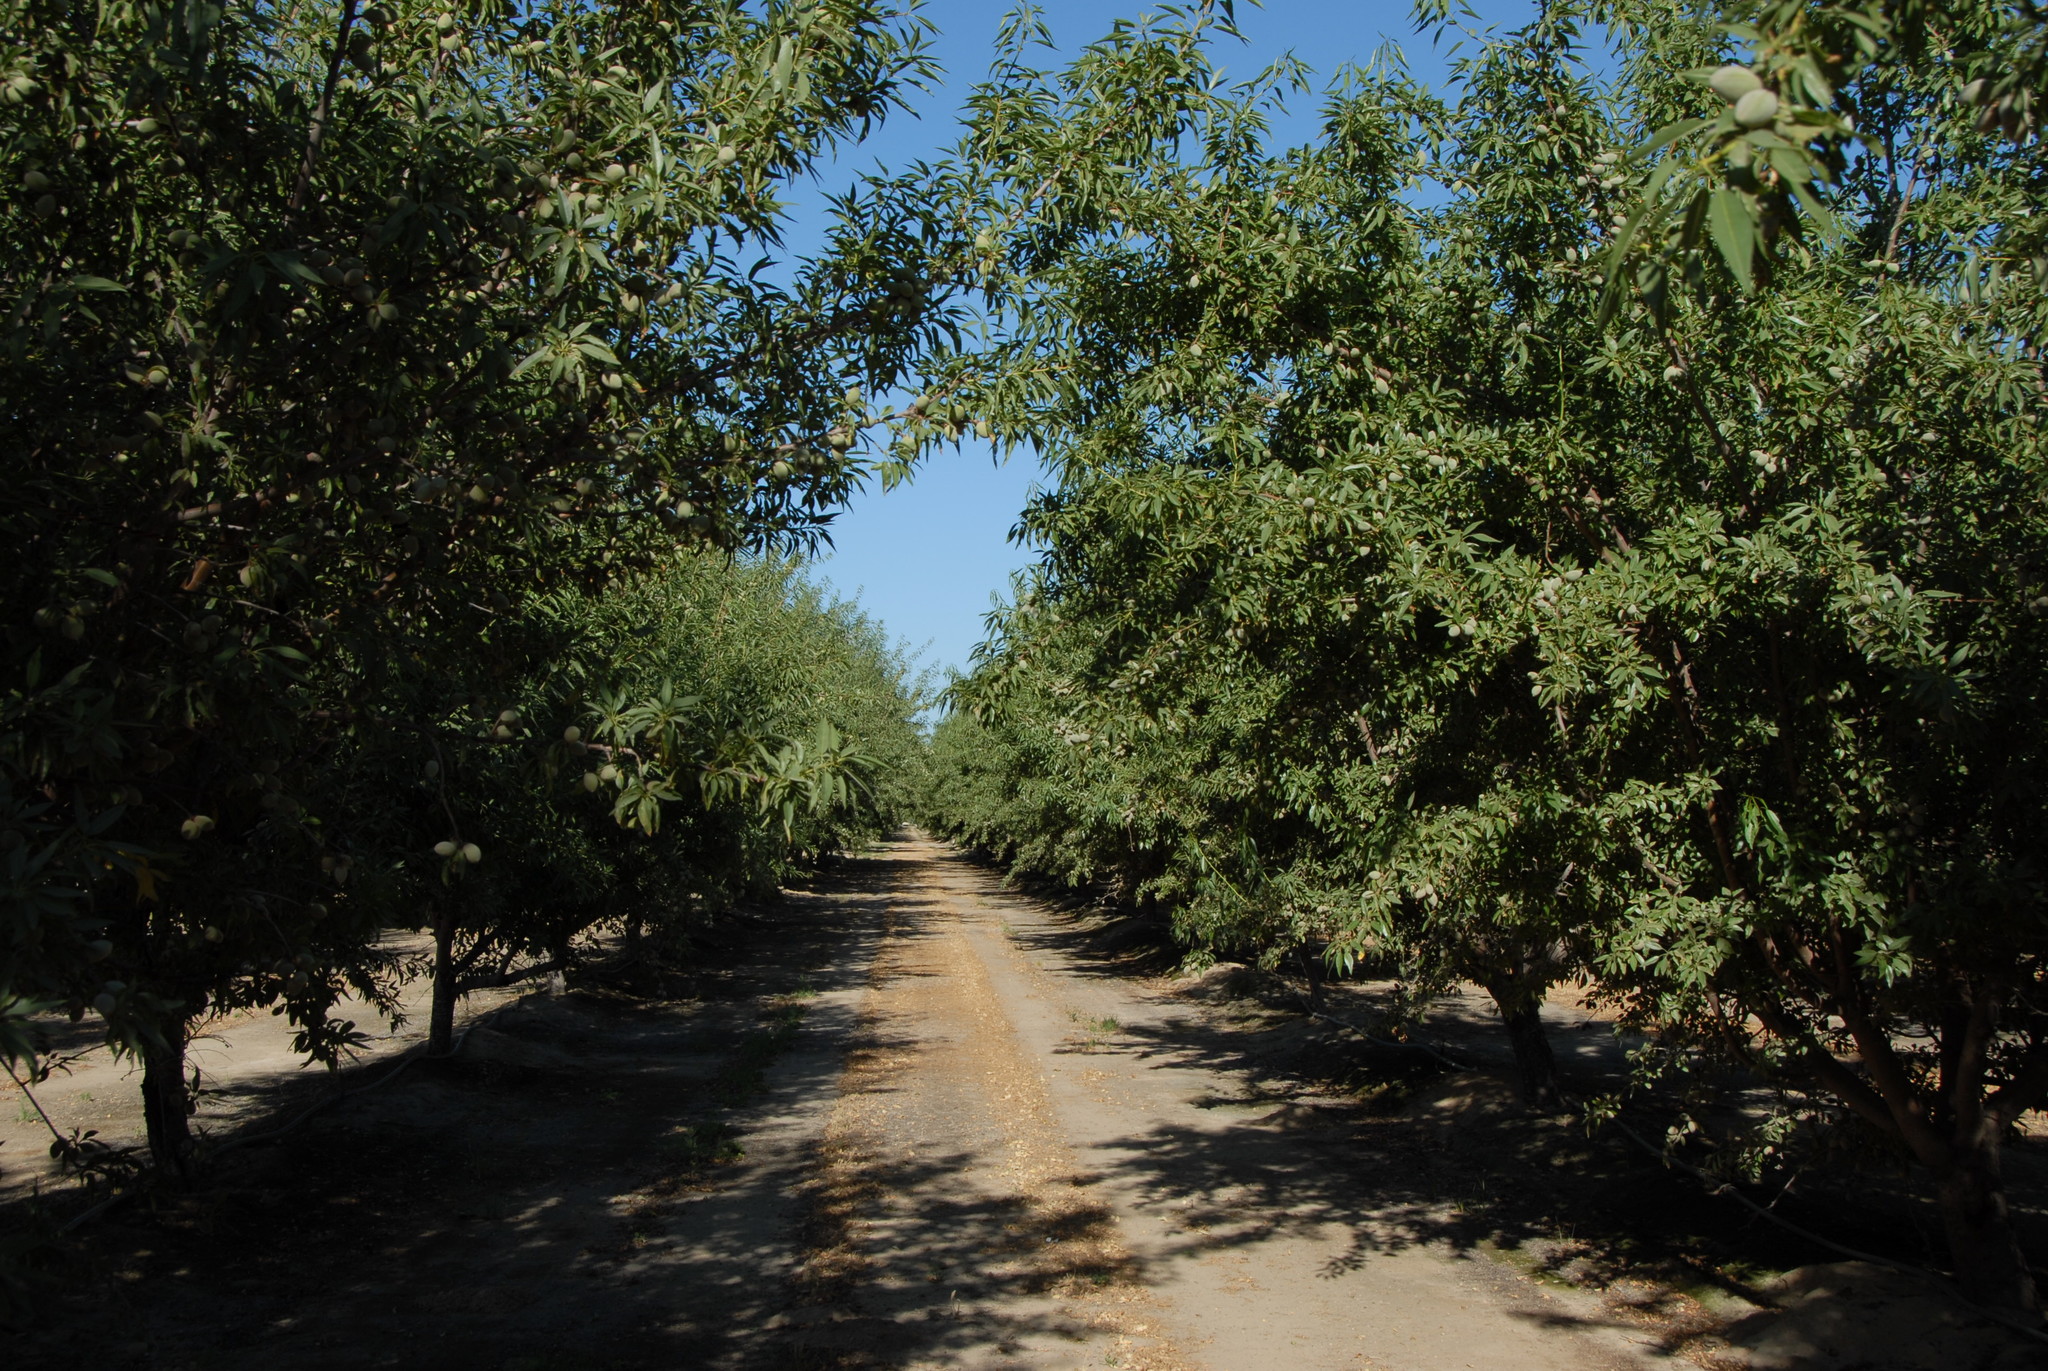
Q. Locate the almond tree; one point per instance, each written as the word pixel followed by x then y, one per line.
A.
pixel 333 333
pixel 1694 651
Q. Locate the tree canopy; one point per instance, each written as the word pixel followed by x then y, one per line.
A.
pixel 363 364
pixel 1451 572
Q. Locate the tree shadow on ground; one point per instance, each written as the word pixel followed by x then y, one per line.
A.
pixel 570 1197
pixel 1401 1151
pixel 492 1212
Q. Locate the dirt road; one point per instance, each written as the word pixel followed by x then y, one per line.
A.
pixel 909 1119
pixel 1023 1171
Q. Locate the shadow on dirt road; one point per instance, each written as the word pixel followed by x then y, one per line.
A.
pixel 907 1118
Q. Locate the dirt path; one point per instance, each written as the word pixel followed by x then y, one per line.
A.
pixel 908 1119
pixel 1017 1175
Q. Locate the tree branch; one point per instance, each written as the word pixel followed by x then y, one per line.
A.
pixel 322 110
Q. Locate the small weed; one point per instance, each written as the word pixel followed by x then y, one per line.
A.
pixel 804 990
pixel 1095 1028
pixel 699 1146
pixel 746 1075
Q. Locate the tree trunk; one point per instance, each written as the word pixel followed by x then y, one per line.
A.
pixel 1990 1268
pixel 1312 972
pixel 1535 1066
pixel 166 1106
pixel 441 1016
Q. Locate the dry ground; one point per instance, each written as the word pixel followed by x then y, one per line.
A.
pixel 910 1119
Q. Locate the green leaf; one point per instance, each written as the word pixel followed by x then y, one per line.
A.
pixel 1734 231
pixel 1672 133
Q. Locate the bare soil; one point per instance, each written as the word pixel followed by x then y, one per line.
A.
pixel 907 1118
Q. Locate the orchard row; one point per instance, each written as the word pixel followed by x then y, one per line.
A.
pixel 1589 526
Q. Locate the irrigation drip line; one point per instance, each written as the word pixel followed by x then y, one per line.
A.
pixel 1447 1060
pixel 1720 1187
pixel 409 1056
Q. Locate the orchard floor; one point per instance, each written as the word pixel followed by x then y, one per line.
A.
pixel 907 1118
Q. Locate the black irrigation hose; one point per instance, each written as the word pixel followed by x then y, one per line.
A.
pixel 1940 1282
pixel 1451 1062
pixel 79 1219
pixel 410 1055
pixel 1719 1187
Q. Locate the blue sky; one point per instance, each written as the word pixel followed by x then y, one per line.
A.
pixel 927 558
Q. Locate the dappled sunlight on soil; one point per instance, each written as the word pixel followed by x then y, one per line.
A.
pixel 910 1118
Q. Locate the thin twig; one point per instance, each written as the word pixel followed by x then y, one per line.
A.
pixel 38 1104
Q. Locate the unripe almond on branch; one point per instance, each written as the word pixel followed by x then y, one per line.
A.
pixel 1732 82
pixel 444 849
pixel 1756 109
pixel 472 854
